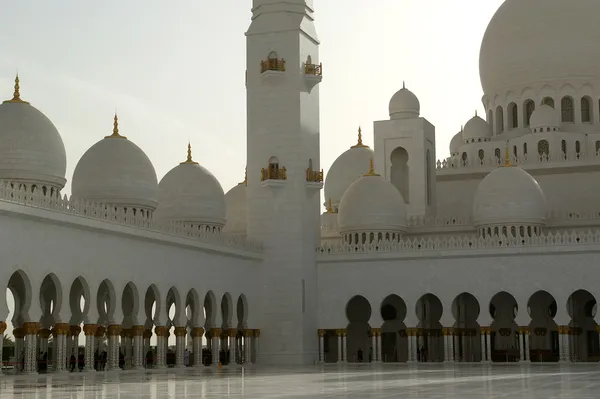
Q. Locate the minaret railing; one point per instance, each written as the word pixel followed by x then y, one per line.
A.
pixel 272 64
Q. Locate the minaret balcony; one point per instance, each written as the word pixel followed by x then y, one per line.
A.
pixel 272 67
pixel 273 176
pixel 314 179
pixel 313 75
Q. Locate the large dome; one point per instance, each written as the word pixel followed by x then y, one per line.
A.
pixel 116 171
pixel 235 201
pixel 372 204
pixel 190 193
pixel 509 196
pixel 534 42
pixel 345 170
pixel 31 149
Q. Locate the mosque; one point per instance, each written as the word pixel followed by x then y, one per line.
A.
pixel 489 255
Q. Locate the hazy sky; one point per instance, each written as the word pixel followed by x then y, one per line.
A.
pixel 175 71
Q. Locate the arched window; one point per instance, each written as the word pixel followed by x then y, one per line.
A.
pixel 464 158
pixel 490 120
pixel 515 151
pixel 513 116
pixel 499 120
pixel 524 148
pixel 586 110
pixel 567 110
pixel 497 153
pixel 481 154
pixel 428 178
pixel 543 148
pixel 528 108
pixel 400 172
pixel 548 101
pixel 577 148
pixel 563 147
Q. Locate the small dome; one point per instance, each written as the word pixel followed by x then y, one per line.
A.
pixel 235 201
pixel 509 195
pixel 116 171
pixel 456 142
pixel 31 149
pixel 477 128
pixel 544 117
pixel 404 104
pixel 372 203
pixel 345 170
pixel 189 193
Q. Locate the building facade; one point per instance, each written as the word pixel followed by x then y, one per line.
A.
pixel 487 255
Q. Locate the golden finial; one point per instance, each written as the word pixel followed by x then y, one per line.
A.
pixel 115 134
pixel 17 94
pixel 359 144
pixel 507 156
pixel 329 206
pixel 189 160
pixel 371 169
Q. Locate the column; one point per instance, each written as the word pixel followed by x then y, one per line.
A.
pixel 161 355
pixel 488 345
pixel 526 344
pixel 321 334
pixel 409 334
pixel 255 345
pixel 19 334
pixel 100 333
pixel 43 336
pixel 232 346
pixel 137 361
pixel 215 338
pixel 2 329
pixel 451 357
pixel 344 346
pixel 74 332
pixel 147 337
pixel 339 343
pixel 31 330
pixel 60 333
pixel 248 346
pixel 197 334
pixel 180 333
pixel 521 345
pixel 113 334
pixel 564 343
pixel 445 333
pixel 485 350
pixel 90 335
pixel 379 349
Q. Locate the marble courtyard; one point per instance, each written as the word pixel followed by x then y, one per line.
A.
pixel 573 381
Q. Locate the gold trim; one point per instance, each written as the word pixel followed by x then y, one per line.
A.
pixel 216 332
pixel 45 333
pixel 371 169
pixel 74 330
pixel 147 334
pixel 256 333
pixel 138 331
pixel 161 331
pixel 115 134
pixel 359 144
pixel 180 331
pixel 113 330
pixel 197 332
pixel 329 206
pixel 90 329
pixel 19 333
pixel 100 331
pixel 189 160
pixel 61 329
pixel 17 94
pixel 31 328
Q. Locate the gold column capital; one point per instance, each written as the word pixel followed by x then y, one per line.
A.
pixel 90 329
pixel 2 327
pixel 257 333
pixel 247 333
pixel 341 332
pixel 126 333
pixel 138 331
pixel 45 333
pixel 161 331
pixel 19 332
pixel 523 330
pixel 232 332
pixel 197 332
pixel 485 330
pixel 147 334
pixel 321 332
pixel 113 330
pixel 100 331
pixel 61 329
pixel 180 331
pixel 216 332
pixel 31 328
pixel 74 330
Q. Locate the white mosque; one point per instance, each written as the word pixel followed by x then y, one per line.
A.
pixel 489 255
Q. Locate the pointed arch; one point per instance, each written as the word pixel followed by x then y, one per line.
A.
pixel 19 285
pixel 152 300
pixel 210 309
pixel 130 304
pixel 174 299
pixel 51 297
pixel 242 312
pixel 106 301
pixel 192 303
pixel 226 310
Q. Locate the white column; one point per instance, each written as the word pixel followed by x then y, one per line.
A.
pixel 526 340
pixel 161 354
pixel 113 334
pixel 2 329
pixel 180 333
pixel 147 337
pixel 373 349
pixel 60 333
pixel 521 344
pixel 488 346
pixel 232 346
pixel 446 333
pixel 197 334
pixel 378 341
pixel 415 344
pixel 451 358
pixel 409 345
pixel 90 338
pixel 256 345
pixel 339 343
pixel 31 330
pixel 564 342
pixel 483 333
pixel 344 347
pixel 321 334
pixel 216 340
pixel 138 347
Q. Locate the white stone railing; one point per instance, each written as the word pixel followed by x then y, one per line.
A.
pixel 463 242
pixel 439 221
pixel 92 210
pixel 453 163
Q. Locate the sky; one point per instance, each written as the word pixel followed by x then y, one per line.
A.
pixel 174 71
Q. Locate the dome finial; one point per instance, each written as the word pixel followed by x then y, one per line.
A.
pixel 17 94
pixel 507 156
pixel 403 84
pixel 189 160
pixel 475 112
pixel 359 144
pixel 371 169
pixel 329 206
pixel 115 133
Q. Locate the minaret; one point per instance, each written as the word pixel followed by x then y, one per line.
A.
pixel 284 179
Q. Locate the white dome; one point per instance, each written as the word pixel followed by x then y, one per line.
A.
pixel 329 225
pixel 456 142
pixel 544 116
pixel 404 104
pixel 116 171
pixel 345 170
pixel 477 128
pixel 509 195
pixel 31 149
pixel 190 193
pixel 235 201
pixel 537 42
pixel 372 204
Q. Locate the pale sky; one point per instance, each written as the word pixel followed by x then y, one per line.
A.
pixel 175 71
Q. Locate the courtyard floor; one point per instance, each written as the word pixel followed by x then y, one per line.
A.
pixel 548 381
